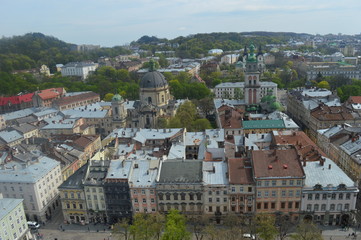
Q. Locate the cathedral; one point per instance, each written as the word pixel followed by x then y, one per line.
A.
pixel 155 102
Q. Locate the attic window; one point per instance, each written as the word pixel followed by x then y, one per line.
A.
pixel 270 167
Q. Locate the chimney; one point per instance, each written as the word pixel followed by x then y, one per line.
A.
pixel 322 161
pixel 329 166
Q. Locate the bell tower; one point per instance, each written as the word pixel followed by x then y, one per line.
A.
pixel 252 86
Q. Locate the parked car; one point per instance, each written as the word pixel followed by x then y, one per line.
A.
pixel 33 225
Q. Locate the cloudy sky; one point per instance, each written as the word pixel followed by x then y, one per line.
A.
pixel 116 22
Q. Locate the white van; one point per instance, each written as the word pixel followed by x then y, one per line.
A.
pixel 33 225
pixel 247 235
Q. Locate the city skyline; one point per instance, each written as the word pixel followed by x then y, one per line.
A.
pixel 109 23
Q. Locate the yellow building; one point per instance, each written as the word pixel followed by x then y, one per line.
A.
pixel 72 198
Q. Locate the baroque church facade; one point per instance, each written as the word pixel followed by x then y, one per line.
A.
pixel 155 102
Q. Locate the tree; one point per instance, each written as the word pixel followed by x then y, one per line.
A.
pixel 146 226
pixel 122 229
pixel 307 231
pixel 323 84
pixel 201 125
pixel 108 97
pixel 283 224
pixel 198 225
pixel 206 105
pixel 238 95
pixel 266 226
pixel 175 227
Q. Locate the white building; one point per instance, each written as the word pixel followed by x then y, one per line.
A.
pixel 329 196
pixel 36 182
pixel 12 219
pixel 80 69
pixel 215 189
pixel 229 58
pixel 232 89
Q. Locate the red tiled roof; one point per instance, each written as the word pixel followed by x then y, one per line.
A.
pixel 354 99
pixel 50 93
pixel 333 113
pixel 277 163
pixel 240 171
pixel 304 145
pixel 16 99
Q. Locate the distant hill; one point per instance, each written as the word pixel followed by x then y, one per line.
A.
pixel 34 49
pixel 199 44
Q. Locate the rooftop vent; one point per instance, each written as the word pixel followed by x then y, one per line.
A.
pixel 285 166
pixel 270 167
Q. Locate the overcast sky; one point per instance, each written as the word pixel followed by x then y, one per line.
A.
pixel 115 22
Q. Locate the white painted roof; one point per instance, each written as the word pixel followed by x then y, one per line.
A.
pixel 143 174
pixel 218 177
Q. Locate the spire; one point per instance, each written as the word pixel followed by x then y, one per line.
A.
pixel 245 52
pixel 260 51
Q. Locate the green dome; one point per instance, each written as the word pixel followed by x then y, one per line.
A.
pixel 117 98
pixel 252 56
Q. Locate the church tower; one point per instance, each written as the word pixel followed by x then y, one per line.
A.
pixel 252 86
pixel 118 111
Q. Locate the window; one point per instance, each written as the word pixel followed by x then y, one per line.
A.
pixel 217 192
pixel 259 194
pixel 259 183
pixel 191 196
pixel 283 205
pixel 309 196
pixel 315 207
pixel 273 205
pixel 175 196
pixel 225 192
pixel 333 196
pixel 290 193
pixel 74 205
pixel 152 200
pixel 143 191
pixel 348 196
pixel 324 196
pixel 241 189
pixel 323 207
pixel 249 189
pixel 297 205
pixel 144 200
pixel 224 199
pixel 183 196
pixel 340 196
pixel 291 182
pixel 284 182
pixel 273 193
pixel 347 206
pixel 210 209
pixel 218 200
pixel 274 182
pixel 290 205
pixel 209 199
pixel 298 193
pixel 266 194
pixel 265 205
pixel 309 207
pixel 299 182
pixel 332 207
pixel 339 207
pixel 167 197
pixel 258 205
pixel 283 193
pixel 317 196
pixel 266 183
pixel 136 200
pixel 160 196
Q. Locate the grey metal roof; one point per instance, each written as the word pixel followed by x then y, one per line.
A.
pixel 16 172
pixel 7 205
pixel 177 171
pixel 153 80
pixel 142 173
pixel 214 173
pixel 326 176
pixel 75 180
pixel 10 136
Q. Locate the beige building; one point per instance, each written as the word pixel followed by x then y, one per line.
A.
pixel 179 186
pixel 241 186
pixel 279 178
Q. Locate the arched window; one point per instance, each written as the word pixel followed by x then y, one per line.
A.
pixel 316 207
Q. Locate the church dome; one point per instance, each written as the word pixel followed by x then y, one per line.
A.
pixel 153 80
pixel 117 98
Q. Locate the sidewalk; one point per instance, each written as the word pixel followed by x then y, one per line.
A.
pixel 99 227
pixel 337 231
